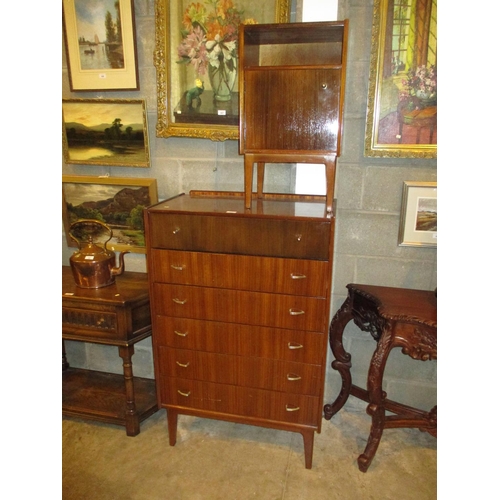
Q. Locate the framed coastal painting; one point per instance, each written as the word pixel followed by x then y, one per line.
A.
pixel 111 132
pixel 402 95
pixel 418 221
pixel 197 65
pixel 117 202
pixel 100 44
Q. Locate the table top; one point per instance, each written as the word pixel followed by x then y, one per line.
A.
pixel 404 304
pixel 128 287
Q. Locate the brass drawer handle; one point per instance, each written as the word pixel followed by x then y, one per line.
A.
pixel 177 268
pixel 179 301
pixel 292 408
pixel 181 334
pixel 176 230
pixel 295 312
pixel 298 276
pixel 294 346
pixel 292 377
pixel 185 394
pixel 182 365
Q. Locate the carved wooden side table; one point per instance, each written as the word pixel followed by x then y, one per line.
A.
pixel 117 315
pixel 395 317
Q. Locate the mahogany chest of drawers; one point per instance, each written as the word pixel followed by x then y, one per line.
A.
pixel 240 310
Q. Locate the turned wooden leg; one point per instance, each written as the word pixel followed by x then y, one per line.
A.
pixel 172 426
pixel 342 361
pixel 131 418
pixel 376 397
pixel 308 437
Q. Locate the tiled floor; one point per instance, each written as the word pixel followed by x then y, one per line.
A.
pixel 220 460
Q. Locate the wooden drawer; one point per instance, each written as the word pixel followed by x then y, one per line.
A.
pixel 235 306
pixel 292 238
pixel 242 401
pixel 261 373
pixel 260 274
pixel 241 340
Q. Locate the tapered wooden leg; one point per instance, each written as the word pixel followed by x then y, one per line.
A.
pixel 172 426
pixel 330 164
pixel 260 179
pixel 131 417
pixel 65 364
pixel 308 437
pixel 248 180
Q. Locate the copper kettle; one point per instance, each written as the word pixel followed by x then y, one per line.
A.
pixel 93 266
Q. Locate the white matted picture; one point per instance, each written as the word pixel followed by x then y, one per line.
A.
pixel 418 223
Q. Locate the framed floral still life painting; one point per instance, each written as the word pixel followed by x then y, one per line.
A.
pixel 100 45
pixel 197 65
pixel 112 132
pixel 418 222
pixel 402 94
pixel 118 202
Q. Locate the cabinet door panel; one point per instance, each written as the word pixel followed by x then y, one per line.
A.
pixel 291 109
pixel 261 274
pixel 234 306
pixel 243 340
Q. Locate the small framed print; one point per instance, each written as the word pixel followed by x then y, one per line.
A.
pixel 100 45
pixel 418 222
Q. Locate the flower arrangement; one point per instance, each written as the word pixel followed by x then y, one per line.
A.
pixel 421 83
pixel 210 35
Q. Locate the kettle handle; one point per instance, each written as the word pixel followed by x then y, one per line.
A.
pixel 84 228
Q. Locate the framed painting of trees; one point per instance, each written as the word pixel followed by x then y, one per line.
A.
pixel 100 44
pixel 111 132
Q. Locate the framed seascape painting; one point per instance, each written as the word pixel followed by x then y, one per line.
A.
pixel 402 95
pixel 111 132
pixel 100 44
pixel 117 202
pixel 418 223
pixel 197 65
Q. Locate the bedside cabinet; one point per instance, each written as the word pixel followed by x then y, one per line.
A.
pixel 240 308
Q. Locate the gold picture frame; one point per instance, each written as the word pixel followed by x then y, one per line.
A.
pixel 418 221
pixel 110 132
pixel 402 95
pixel 179 113
pixel 100 45
pixel 115 201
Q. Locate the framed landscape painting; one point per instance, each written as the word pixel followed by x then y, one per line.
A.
pixel 111 132
pixel 402 95
pixel 418 222
pixel 100 44
pixel 116 201
pixel 197 65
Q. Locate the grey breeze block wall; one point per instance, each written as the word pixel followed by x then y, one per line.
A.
pixel 368 193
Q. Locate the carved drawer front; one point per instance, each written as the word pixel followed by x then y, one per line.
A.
pixel 261 373
pixel 293 238
pixel 235 306
pixel 241 401
pixel 97 322
pixel 242 340
pixel 261 274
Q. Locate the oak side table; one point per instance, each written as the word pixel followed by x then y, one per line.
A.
pixel 117 315
pixel 395 317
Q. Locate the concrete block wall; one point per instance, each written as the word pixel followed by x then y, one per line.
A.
pixel 368 192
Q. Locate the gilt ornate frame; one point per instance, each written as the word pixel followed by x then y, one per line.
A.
pixel 380 98
pixel 169 14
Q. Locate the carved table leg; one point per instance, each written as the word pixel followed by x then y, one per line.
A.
pixel 131 417
pixel 376 397
pixel 342 361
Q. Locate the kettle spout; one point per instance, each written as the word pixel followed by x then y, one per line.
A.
pixel 116 271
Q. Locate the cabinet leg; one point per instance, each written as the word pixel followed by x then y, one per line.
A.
pixel 65 364
pixel 172 426
pixel 308 437
pixel 131 418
